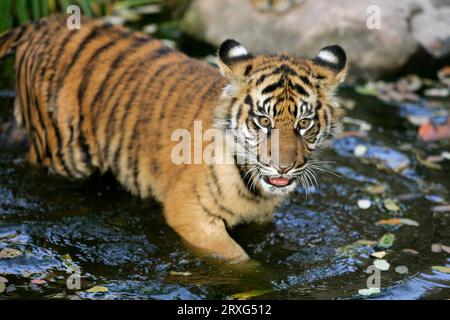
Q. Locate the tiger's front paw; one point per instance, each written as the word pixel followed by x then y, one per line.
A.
pixel 211 238
pixel 235 255
pixel 222 248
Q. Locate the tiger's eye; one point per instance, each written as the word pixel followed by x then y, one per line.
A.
pixel 264 121
pixel 304 123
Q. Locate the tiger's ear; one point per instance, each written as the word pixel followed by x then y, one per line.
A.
pixel 334 61
pixel 233 59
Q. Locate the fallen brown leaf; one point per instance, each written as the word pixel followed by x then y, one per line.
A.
pixel 38 281
pixel 430 132
pixel 9 253
pixel 410 251
pixel 389 221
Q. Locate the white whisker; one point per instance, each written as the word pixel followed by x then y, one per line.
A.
pixel 313 178
pixel 322 169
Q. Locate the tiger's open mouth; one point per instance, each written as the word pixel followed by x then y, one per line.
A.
pixel 278 181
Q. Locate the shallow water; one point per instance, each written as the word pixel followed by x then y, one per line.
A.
pixel 95 229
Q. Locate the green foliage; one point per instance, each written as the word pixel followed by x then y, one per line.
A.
pixel 17 12
pixel 5 17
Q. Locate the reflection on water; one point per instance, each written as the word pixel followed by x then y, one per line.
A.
pixel 310 251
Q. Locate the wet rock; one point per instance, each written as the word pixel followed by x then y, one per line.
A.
pixel 303 29
pixel 431 29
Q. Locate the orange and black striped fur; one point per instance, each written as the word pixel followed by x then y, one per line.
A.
pixel 106 98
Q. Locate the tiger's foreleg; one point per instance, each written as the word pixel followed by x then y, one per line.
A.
pixel 189 217
pixel 206 233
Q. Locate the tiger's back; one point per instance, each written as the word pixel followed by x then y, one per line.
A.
pixel 102 98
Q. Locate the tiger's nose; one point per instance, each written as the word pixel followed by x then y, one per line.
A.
pixel 284 168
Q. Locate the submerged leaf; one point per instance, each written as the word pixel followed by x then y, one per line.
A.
pixel 249 294
pixel 381 264
pixel 369 291
pixel 410 83
pixel 418 120
pixel 178 273
pixel 376 189
pixel 429 164
pixel 369 243
pixel 443 208
pixel 354 249
pixel 435 158
pixel 367 90
pixel 98 289
pixel 445 248
pixel 386 241
pixel 378 254
pixel 391 205
pixel 437 92
pixel 9 253
pixel 444 75
pixel 362 126
pixel 8 235
pixel 38 281
pixel 408 222
pixel 3 282
pixel 410 251
pixel 441 269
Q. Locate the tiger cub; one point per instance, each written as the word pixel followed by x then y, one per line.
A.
pixel 105 98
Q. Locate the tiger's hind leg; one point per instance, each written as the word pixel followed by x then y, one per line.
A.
pixel 45 139
pixel 38 153
pixel 47 108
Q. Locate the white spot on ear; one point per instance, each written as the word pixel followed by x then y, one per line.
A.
pixel 328 56
pixel 237 51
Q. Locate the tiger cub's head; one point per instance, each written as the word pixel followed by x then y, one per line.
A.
pixel 279 109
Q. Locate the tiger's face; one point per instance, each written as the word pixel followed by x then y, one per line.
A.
pixel 279 109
